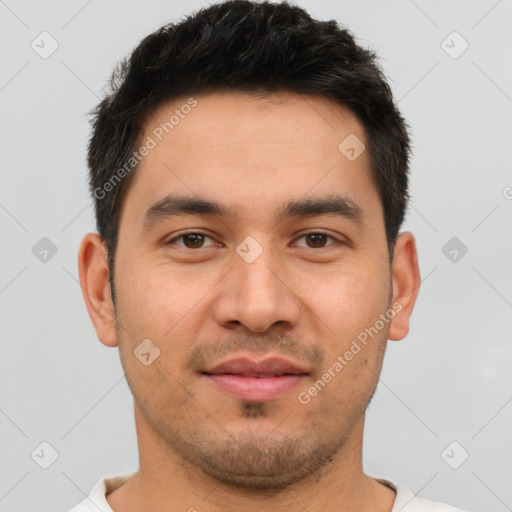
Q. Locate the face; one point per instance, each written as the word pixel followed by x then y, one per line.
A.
pixel 277 285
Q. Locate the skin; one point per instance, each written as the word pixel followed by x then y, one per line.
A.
pixel 201 448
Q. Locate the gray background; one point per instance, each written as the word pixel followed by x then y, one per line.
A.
pixel 449 380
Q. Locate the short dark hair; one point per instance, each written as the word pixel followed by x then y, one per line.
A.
pixel 245 46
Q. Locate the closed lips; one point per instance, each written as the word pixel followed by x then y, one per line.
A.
pixel 243 367
pixel 253 374
pixel 257 381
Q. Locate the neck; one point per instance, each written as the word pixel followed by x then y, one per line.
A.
pixel 166 482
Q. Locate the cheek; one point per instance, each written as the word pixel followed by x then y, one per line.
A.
pixel 351 299
pixel 164 305
pixel 155 295
pixel 345 309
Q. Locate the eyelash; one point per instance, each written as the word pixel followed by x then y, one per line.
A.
pixel 182 235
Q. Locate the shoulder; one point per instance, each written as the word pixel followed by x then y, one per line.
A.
pixel 407 501
pixel 423 505
pixel 96 501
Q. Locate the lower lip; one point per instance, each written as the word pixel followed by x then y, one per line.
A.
pixel 252 388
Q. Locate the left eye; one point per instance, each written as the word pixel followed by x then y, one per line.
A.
pixel 317 238
pixel 195 240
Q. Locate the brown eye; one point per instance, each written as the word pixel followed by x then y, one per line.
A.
pixel 190 240
pixel 316 240
pixel 195 240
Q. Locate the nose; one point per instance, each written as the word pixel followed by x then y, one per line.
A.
pixel 257 295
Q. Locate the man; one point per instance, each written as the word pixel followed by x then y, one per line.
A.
pixel 250 176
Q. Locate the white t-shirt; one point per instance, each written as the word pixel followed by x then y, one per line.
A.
pixel 405 500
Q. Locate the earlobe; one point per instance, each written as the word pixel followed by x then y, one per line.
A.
pixel 94 281
pixel 406 283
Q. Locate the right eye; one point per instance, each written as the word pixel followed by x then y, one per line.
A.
pixel 193 238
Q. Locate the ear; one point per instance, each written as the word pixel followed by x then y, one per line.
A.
pixel 406 284
pixel 94 274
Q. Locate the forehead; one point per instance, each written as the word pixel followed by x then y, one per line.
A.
pixel 291 116
pixel 250 151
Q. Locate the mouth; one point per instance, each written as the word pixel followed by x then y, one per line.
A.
pixel 256 381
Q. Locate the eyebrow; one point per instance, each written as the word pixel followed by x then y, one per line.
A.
pixel 175 205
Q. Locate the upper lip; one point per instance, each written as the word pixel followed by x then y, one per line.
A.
pixel 244 366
